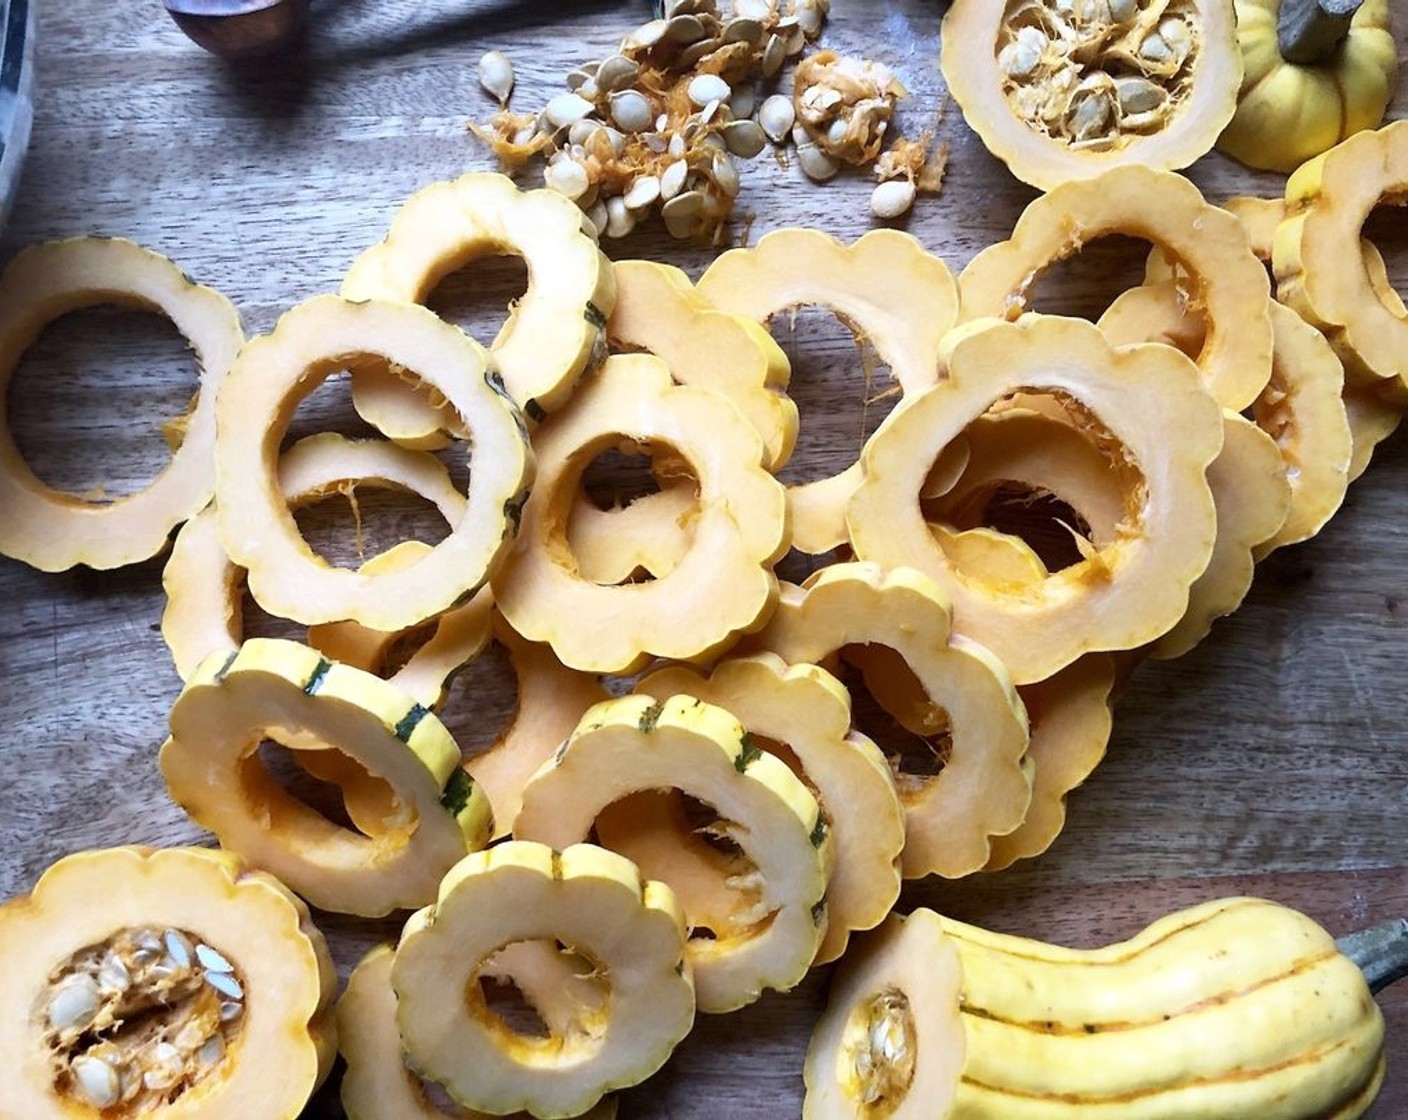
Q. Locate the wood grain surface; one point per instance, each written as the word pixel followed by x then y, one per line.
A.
pixel 1270 761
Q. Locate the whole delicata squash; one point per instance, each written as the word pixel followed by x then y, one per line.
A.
pixel 551 336
pixel 1312 78
pixel 803 714
pixel 273 374
pixel 971 712
pixel 280 690
pixel 1118 597
pixel 1236 1007
pixel 52 530
pixel 884 286
pixel 629 930
pixel 1067 89
pixel 768 923
pixel 721 587
pixel 173 983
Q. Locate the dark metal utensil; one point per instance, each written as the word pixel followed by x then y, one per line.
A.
pixel 237 29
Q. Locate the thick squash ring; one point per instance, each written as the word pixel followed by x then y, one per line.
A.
pixel 974 43
pixel 266 1020
pixel 723 585
pixel 1208 243
pixel 638 745
pixel 1302 407
pixel 884 286
pixel 808 712
pixel 595 902
pixel 203 588
pixel 1328 201
pixel 1128 592
pixel 278 689
pixel 552 334
pixel 376 1084
pixel 52 530
pixel 269 379
pixel 982 790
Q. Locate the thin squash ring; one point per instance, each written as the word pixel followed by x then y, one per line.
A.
pixel 1328 200
pixel 791 268
pixel 277 371
pixel 741 530
pixel 1160 206
pixel 1129 592
pixel 52 530
pixel 203 587
pixel 281 689
pixel 552 334
pixel 585 897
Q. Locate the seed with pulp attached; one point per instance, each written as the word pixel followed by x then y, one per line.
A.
pixel 641 193
pixel 615 73
pixel 567 178
pixel 724 174
pixel 890 200
pixel 74 1005
pixel 496 75
pixel 96 1081
pixel 816 164
pixel 1138 95
pixel 113 975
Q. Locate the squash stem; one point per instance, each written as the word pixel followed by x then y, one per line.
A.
pixel 1381 952
pixel 1309 31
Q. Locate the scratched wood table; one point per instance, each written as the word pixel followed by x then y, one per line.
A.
pixel 1271 760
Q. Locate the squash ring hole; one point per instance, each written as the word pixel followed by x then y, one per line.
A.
pixel 891 707
pixel 542 994
pixel 329 783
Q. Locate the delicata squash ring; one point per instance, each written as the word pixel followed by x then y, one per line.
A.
pixel 638 745
pixel 1124 594
pixel 723 585
pixel 552 334
pixel 176 983
pixel 271 688
pixel 1328 201
pixel 982 789
pixel 376 1084
pixel 884 286
pixel 1209 245
pixel 277 371
pixel 203 588
pixel 808 712
pixel 52 530
pixel 594 902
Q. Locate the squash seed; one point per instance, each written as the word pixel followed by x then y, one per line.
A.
pixel 617 72
pixel 211 959
pixel 672 179
pixel 743 101
pixel 642 192
pixel 619 220
pixel 815 163
pixel 685 29
pixel 890 200
pixel 178 948
pixel 496 75
pixel 567 109
pixel 631 111
pixel 74 1005
pixel 96 1081
pixel 744 138
pixel 708 87
pixel 777 117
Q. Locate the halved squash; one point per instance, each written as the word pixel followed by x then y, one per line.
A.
pixel 273 374
pixel 1122 595
pixel 1208 244
pixel 778 878
pixel 722 586
pixel 593 901
pixel 1061 91
pixel 982 789
pixel 280 690
pixel 802 714
pixel 51 530
pixel 178 982
pixel 884 286
pixel 552 334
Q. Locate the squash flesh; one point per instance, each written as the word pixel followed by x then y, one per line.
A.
pixel 54 531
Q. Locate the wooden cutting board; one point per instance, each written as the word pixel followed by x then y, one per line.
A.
pixel 1271 760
